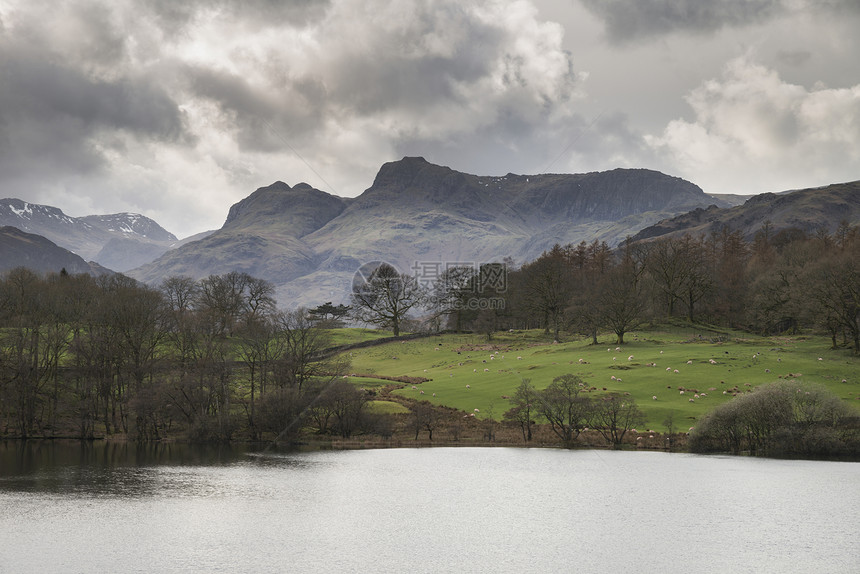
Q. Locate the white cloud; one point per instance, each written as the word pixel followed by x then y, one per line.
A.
pixel 753 131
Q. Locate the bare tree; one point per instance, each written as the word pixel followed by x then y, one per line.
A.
pixel 386 297
pixel 524 407
pixel 549 288
pixel 620 299
pixel 302 358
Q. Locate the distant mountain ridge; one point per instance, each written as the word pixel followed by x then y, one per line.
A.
pixel 309 243
pixel 807 209
pixel 21 249
pixel 119 241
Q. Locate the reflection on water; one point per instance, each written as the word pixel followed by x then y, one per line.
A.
pixel 89 468
pixel 177 508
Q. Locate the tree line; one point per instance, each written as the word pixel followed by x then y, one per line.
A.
pixel 779 282
pixel 89 356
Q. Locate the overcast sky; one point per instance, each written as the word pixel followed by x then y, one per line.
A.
pixel 179 109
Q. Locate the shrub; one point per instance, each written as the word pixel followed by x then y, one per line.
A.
pixel 787 418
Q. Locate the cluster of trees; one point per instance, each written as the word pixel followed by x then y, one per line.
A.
pixel 778 282
pixel 787 418
pixel 81 356
pixel 568 409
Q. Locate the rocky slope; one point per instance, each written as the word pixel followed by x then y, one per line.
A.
pixel 808 210
pixel 21 249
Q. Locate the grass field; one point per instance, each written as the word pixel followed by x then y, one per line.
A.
pixel 468 373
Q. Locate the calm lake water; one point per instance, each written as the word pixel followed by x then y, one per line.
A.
pixel 66 507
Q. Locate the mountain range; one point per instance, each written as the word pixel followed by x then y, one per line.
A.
pixel 119 242
pixel 416 214
pixel 310 243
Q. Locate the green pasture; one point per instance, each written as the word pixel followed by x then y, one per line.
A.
pixel 348 336
pixel 468 373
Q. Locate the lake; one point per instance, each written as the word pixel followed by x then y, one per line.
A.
pixel 71 507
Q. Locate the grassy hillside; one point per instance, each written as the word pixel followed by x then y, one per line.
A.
pixel 467 372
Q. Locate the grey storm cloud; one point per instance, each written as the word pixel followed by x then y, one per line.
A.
pixel 175 18
pixel 48 112
pixel 55 100
pixel 631 20
pixel 149 105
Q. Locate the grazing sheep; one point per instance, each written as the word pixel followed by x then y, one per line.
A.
pixel 654 398
pixel 630 358
pixel 422 392
pixel 486 370
pixel 619 380
pixel 692 401
pixel 668 368
pixel 680 392
pixel 434 394
pixel 477 411
pixel 676 371
pixel 612 377
pixel 468 386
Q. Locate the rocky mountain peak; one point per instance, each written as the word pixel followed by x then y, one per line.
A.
pixel 297 210
pixel 402 173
